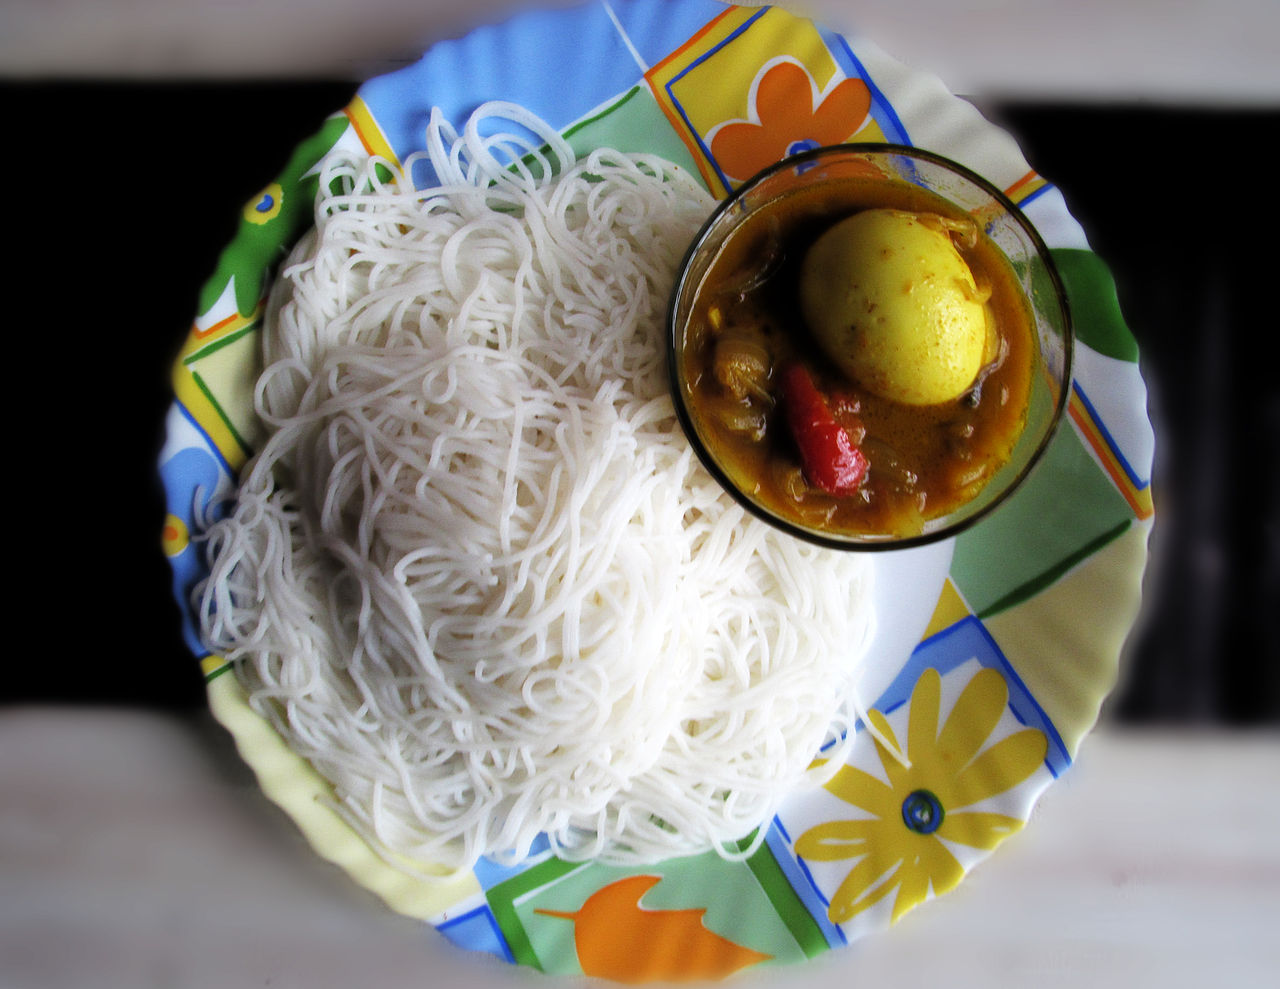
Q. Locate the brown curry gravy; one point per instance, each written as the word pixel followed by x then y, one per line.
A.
pixel 925 461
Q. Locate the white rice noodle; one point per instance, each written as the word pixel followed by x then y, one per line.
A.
pixel 476 576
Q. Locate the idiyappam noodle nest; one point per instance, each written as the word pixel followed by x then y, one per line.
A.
pixel 475 574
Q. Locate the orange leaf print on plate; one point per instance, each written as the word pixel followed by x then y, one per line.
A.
pixel 785 119
pixel 618 939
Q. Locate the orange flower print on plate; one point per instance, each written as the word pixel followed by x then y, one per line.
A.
pixel 789 115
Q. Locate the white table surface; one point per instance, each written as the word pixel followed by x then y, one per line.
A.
pixel 137 852
pixel 1180 51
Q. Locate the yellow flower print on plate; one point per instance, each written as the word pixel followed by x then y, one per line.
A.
pixel 265 206
pixel 902 848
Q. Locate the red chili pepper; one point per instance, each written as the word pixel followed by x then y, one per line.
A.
pixel 830 459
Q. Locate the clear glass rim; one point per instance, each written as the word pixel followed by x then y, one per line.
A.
pixel 855 542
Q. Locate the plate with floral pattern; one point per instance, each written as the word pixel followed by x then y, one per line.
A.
pixel 994 650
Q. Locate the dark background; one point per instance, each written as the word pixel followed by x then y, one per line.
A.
pixel 126 193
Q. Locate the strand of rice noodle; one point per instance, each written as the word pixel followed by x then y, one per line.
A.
pixel 476 576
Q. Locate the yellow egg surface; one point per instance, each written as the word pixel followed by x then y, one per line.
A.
pixel 894 305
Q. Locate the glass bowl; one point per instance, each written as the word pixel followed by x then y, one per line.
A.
pixel 888 170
